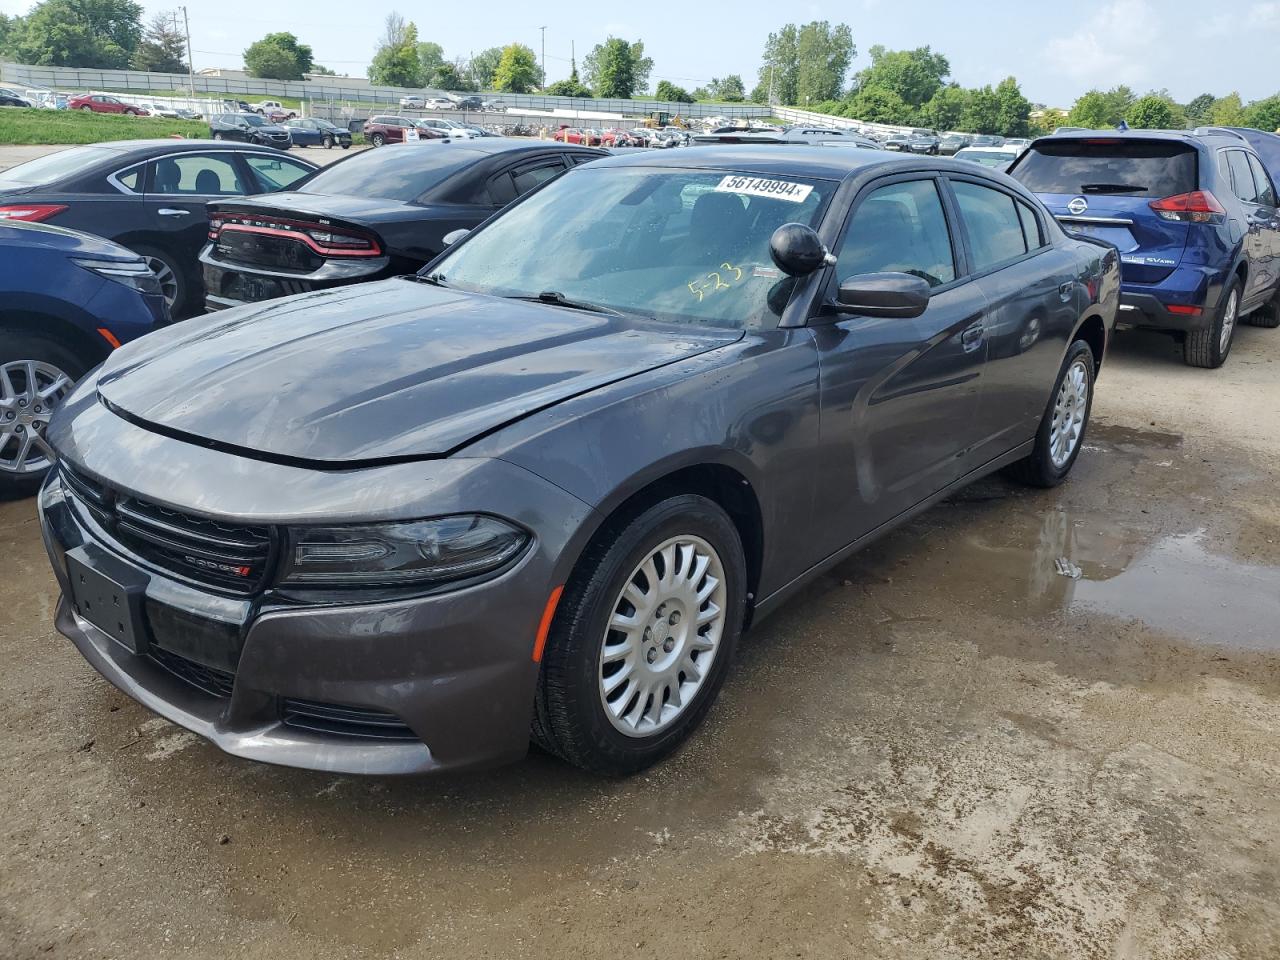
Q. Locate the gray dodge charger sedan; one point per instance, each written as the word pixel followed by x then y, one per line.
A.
pixel 540 489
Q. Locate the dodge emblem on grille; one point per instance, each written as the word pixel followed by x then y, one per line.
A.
pixel 231 568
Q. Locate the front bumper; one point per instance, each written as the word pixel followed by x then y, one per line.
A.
pixel 453 671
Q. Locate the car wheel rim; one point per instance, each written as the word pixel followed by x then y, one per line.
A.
pixel 1228 321
pixel 663 635
pixel 166 277
pixel 1068 414
pixel 30 391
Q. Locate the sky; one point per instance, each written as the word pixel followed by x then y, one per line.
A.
pixel 1056 51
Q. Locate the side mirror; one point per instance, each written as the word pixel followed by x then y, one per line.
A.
pixel 884 295
pixel 797 250
pixel 453 236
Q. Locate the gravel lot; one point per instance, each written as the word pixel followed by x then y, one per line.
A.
pixel 945 749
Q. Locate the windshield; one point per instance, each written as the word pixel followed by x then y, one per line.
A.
pixel 687 246
pixel 401 173
pixel 252 119
pixel 56 166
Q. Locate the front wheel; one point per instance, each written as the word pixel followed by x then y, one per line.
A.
pixel 1209 347
pixel 35 376
pixel 173 283
pixel 1267 315
pixel 643 637
pixel 328 142
pixel 1062 429
pixel 218 136
pixel 89 109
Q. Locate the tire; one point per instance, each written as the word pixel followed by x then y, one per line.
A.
pixel 1046 466
pixel 570 716
pixel 22 479
pixel 328 142
pixel 218 136
pixel 173 282
pixel 1210 347
pixel 90 109
pixel 1267 315
pixel 347 145
pixel 377 139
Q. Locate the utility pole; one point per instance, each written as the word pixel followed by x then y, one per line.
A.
pixel 191 67
pixel 771 84
pixel 544 55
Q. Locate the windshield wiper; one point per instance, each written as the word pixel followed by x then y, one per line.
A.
pixel 435 279
pixel 556 298
pixel 1112 188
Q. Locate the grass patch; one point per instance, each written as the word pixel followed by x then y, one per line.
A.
pixel 77 126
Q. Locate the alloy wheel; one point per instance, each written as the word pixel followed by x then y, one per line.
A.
pixel 1068 414
pixel 30 390
pixel 663 635
pixel 1229 321
pixel 166 277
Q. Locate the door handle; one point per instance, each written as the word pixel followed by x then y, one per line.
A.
pixel 172 212
pixel 971 339
pixel 1064 290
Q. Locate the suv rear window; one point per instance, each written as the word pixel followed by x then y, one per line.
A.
pixel 1133 168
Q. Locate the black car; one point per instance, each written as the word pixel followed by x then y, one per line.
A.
pixel 927 143
pixel 148 195
pixel 10 98
pixel 310 132
pixel 250 128
pixel 470 103
pixel 375 214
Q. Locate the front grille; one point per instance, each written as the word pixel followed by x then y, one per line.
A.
pixel 344 721
pixel 217 683
pixel 232 558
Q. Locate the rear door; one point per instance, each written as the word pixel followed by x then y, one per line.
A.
pixel 1259 225
pixel 1104 187
pixel 179 186
pixel 1268 219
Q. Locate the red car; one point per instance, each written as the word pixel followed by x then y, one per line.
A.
pixel 619 138
pixel 104 103
pixel 586 138
pixel 380 130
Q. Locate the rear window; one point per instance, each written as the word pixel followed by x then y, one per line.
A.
pixel 1135 168
pixel 393 173
pixel 45 170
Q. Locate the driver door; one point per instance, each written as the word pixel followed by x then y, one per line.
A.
pixel 899 397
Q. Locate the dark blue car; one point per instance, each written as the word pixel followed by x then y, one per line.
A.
pixel 66 301
pixel 309 132
pixel 1194 216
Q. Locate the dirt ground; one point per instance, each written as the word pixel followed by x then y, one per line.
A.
pixel 945 749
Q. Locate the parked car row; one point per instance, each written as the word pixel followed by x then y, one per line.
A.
pixel 421 102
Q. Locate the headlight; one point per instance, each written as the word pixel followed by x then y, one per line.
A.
pixel 132 273
pixel 420 553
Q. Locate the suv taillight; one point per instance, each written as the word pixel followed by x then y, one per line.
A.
pixel 1199 206
pixel 31 212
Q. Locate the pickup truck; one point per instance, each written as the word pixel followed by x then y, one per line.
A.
pixel 273 107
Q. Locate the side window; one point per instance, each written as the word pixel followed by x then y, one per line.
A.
pixel 899 228
pixel 528 177
pixel 196 174
pixel 1266 190
pixel 501 190
pixel 1224 168
pixel 1030 227
pixel 130 179
pixel 992 222
pixel 276 173
pixel 1242 176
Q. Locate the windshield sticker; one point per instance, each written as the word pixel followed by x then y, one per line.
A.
pixel 716 280
pixel 757 187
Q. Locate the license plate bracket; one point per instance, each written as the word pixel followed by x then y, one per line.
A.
pixel 110 595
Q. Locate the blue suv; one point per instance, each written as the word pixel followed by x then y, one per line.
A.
pixel 1194 216
pixel 66 300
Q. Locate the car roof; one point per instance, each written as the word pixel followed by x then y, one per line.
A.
pixel 1193 138
pixel 804 160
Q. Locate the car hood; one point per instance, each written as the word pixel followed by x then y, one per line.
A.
pixel 382 372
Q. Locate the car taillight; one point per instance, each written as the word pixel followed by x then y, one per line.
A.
pixel 31 212
pixel 1199 206
pixel 326 240
pixel 215 227
pixel 329 240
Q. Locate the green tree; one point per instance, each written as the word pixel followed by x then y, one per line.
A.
pixel 610 69
pixel 278 56
pixel 1047 121
pixel 1015 109
pixel 981 111
pixel 876 105
pixel 671 93
pixel 517 70
pixel 1097 110
pixel 641 66
pixel 571 87
pixel 1264 114
pixel 101 34
pixel 730 89
pixel 914 75
pixel 780 69
pixel 823 55
pixel 163 48
pixel 1151 112
pixel 1198 110
pixel 395 63
pixel 945 108
pixel 482 66
pixel 8 32
pixel 1227 111
pixel 430 59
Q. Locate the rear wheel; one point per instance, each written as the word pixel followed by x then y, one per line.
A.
pixel 217 136
pixel 35 376
pixel 377 139
pixel 1209 347
pixel 173 283
pixel 643 637
pixel 1062 429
